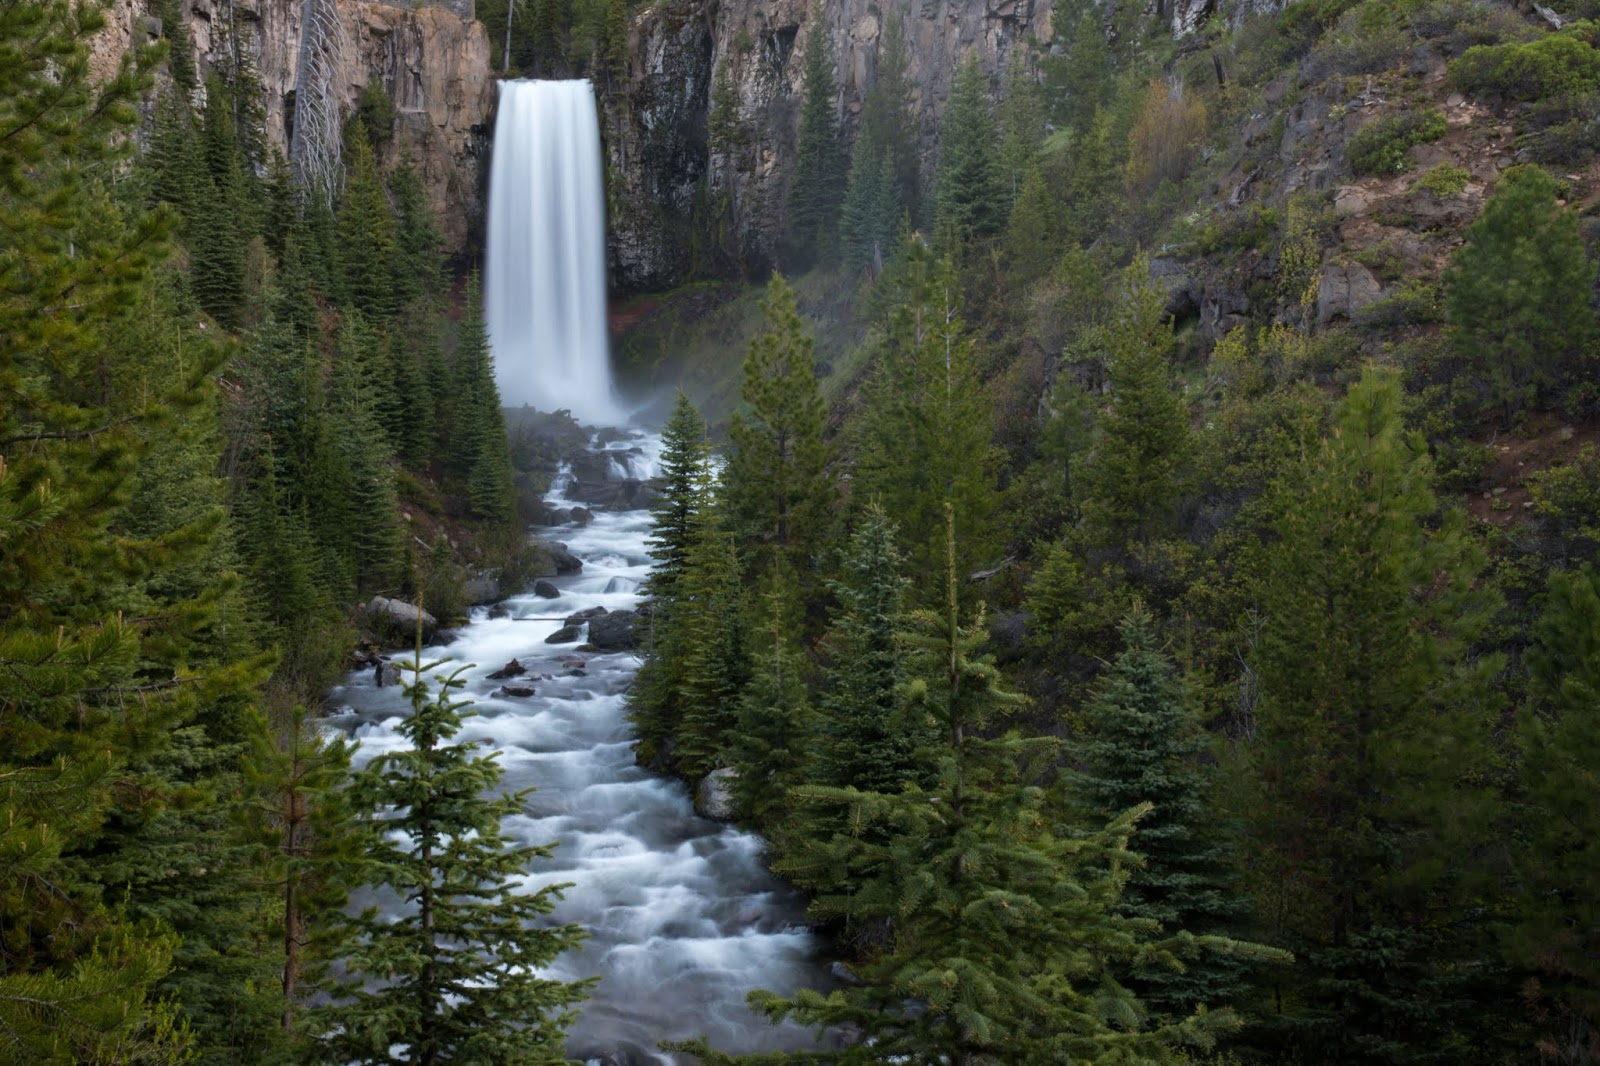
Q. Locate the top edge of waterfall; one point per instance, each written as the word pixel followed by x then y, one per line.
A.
pixel 545 290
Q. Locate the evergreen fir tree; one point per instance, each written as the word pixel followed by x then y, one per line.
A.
pixel 708 632
pixel 867 740
pixel 1023 124
pixel 1556 935
pixel 90 689
pixel 969 197
pixel 457 977
pixel 925 441
pixel 366 232
pixel 684 487
pixel 1005 944
pixel 870 218
pixel 417 271
pixel 1133 476
pixel 1144 745
pixel 778 490
pixel 1371 599
pixel 370 537
pixel 891 121
pixel 302 817
pixel 773 726
pixel 218 222
pixel 817 184
pixel 1509 295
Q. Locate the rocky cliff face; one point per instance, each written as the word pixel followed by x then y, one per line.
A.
pixel 432 60
pixel 668 185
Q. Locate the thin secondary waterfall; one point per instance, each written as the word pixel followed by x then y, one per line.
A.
pixel 545 282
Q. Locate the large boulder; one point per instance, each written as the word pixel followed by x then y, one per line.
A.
pixel 565 561
pixel 546 590
pixel 397 620
pixel 613 632
pixel 483 590
pixel 577 618
pixel 564 635
pixel 713 798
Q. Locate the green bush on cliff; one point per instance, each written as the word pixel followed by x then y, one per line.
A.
pixel 1558 65
pixel 1380 149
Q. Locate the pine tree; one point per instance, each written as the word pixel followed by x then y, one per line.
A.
pixel 417 271
pixel 1144 744
pixel 88 688
pixel 1560 740
pixel 218 222
pixel 867 740
pixel 890 119
pixel 1509 295
pixel 926 438
pixel 369 536
pixel 778 490
pixel 817 183
pixel 683 457
pixel 457 977
pixel 773 726
pixel 1033 235
pixel 1004 943
pixel 302 818
pixel 1371 599
pixel 1133 476
pixel 870 218
pixel 1023 125
pixel 708 633
pixel 366 232
pixel 969 197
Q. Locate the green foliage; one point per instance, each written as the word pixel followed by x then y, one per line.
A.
pixel 366 231
pixel 460 970
pixel 890 120
pixel 773 730
pixel 969 198
pixel 777 485
pixel 871 218
pixel 1560 741
pixel 818 181
pixel 1554 65
pixel 1144 745
pixel 1370 602
pixel 1380 149
pixel 1443 180
pixel 1514 321
pixel 926 431
pixel 867 740
pixel 1133 477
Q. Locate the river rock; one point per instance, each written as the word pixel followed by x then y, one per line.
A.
pixel 397 618
pixel 714 796
pixel 510 669
pixel 514 690
pixel 483 589
pixel 565 562
pixel 546 589
pixel 613 632
pixel 564 635
pixel 386 673
pixel 582 516
pixel 586 615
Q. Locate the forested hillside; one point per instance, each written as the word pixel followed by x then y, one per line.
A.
pixel 232 410
pixel 1162 531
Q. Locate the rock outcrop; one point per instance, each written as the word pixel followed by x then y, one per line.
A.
pixel 432 60
pixel 661 157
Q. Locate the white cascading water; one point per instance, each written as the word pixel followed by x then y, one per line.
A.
pixel 545 279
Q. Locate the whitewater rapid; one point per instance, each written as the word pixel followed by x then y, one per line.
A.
pixel 683 917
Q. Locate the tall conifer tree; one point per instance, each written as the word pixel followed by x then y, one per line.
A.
pixel 457 977
pixel 817 184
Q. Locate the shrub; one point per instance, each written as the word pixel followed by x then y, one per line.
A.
pixel 1555 65
pixel 1456 25
pixel 1443 180
pixel 1381 147
pixel 1164 138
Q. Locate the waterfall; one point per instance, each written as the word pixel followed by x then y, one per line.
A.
pixel 545 281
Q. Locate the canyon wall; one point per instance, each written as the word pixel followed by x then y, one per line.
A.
pixel 669 188
pixel 433 61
